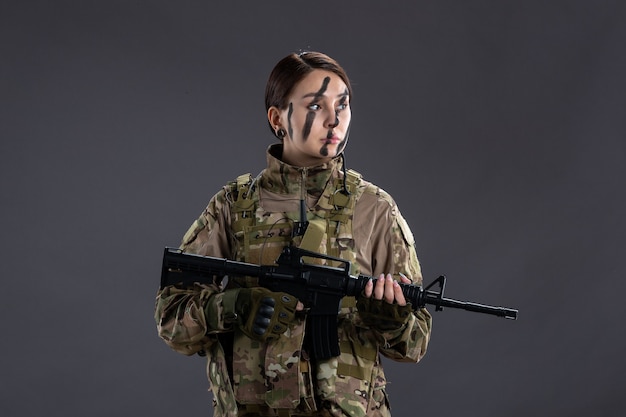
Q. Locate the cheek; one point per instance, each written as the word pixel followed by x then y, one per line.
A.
pixel 345 117
pixel 304 124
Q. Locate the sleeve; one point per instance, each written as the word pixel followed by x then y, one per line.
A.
pixel 394 252
pixel 188 319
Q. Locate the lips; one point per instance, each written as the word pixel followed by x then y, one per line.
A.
pixel 334 139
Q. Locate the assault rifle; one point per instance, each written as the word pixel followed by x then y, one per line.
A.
pixel 319 287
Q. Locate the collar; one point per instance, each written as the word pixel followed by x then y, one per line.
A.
pixel 283 178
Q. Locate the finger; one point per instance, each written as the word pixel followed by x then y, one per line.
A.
pixel 369 288
pixel 299 306
pixel 405 279
pixel 379 289
pixel 399 296
pixel 389 291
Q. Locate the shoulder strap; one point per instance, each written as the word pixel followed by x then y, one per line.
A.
pixel 244 201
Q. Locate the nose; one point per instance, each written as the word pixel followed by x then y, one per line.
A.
pixel 332 119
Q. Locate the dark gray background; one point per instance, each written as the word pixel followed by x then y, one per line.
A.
pixel 498 126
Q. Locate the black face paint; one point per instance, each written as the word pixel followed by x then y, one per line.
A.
pixel 310 116
pixel 340 147
pixel 289 127
pixel 342 102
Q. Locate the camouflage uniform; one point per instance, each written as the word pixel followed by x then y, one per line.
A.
pixel 251 220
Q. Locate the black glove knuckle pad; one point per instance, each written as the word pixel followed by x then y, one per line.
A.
pixel 265 311
pixel 268 301
pixel 259 330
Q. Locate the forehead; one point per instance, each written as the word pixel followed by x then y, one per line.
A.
pixel 320 82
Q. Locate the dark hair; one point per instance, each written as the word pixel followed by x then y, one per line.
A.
pixel 293 68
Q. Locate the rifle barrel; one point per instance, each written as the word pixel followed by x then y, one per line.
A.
pixel 441 302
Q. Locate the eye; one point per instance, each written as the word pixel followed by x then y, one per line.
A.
pixel 343 104
pixel 314 107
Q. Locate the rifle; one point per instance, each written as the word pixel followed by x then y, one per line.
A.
pixel 319 287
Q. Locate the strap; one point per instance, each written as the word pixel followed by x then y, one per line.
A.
pixel 358 350
pixel 244 202
pixel 355 371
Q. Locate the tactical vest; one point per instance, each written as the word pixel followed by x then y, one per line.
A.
pixel 260 236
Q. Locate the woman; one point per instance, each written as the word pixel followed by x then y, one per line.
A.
pixel 260 361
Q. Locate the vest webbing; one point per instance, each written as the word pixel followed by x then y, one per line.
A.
pixel 337 210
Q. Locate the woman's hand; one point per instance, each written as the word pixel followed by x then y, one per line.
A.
pixel 386 288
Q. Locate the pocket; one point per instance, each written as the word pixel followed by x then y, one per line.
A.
pixel 351 384
pixel 263 243
pixel 248 369
pixel 217 374
pixel 379 402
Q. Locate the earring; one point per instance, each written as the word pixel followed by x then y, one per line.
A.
pixel 280 133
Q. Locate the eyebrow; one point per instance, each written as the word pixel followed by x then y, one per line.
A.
pixel 317 94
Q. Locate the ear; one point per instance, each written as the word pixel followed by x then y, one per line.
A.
pixel 273 116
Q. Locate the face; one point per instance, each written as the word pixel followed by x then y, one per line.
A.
pixel 317 119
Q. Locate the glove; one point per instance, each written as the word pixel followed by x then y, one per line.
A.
pixel 381 315
pixel 260 313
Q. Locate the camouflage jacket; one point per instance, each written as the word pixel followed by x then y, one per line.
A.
pixel 277 378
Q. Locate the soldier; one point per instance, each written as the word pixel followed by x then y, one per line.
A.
pixel 255 340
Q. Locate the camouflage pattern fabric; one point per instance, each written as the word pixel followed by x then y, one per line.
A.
pixel 251 220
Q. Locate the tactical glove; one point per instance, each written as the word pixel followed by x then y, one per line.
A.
pixel 260 313
pixel 381 315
